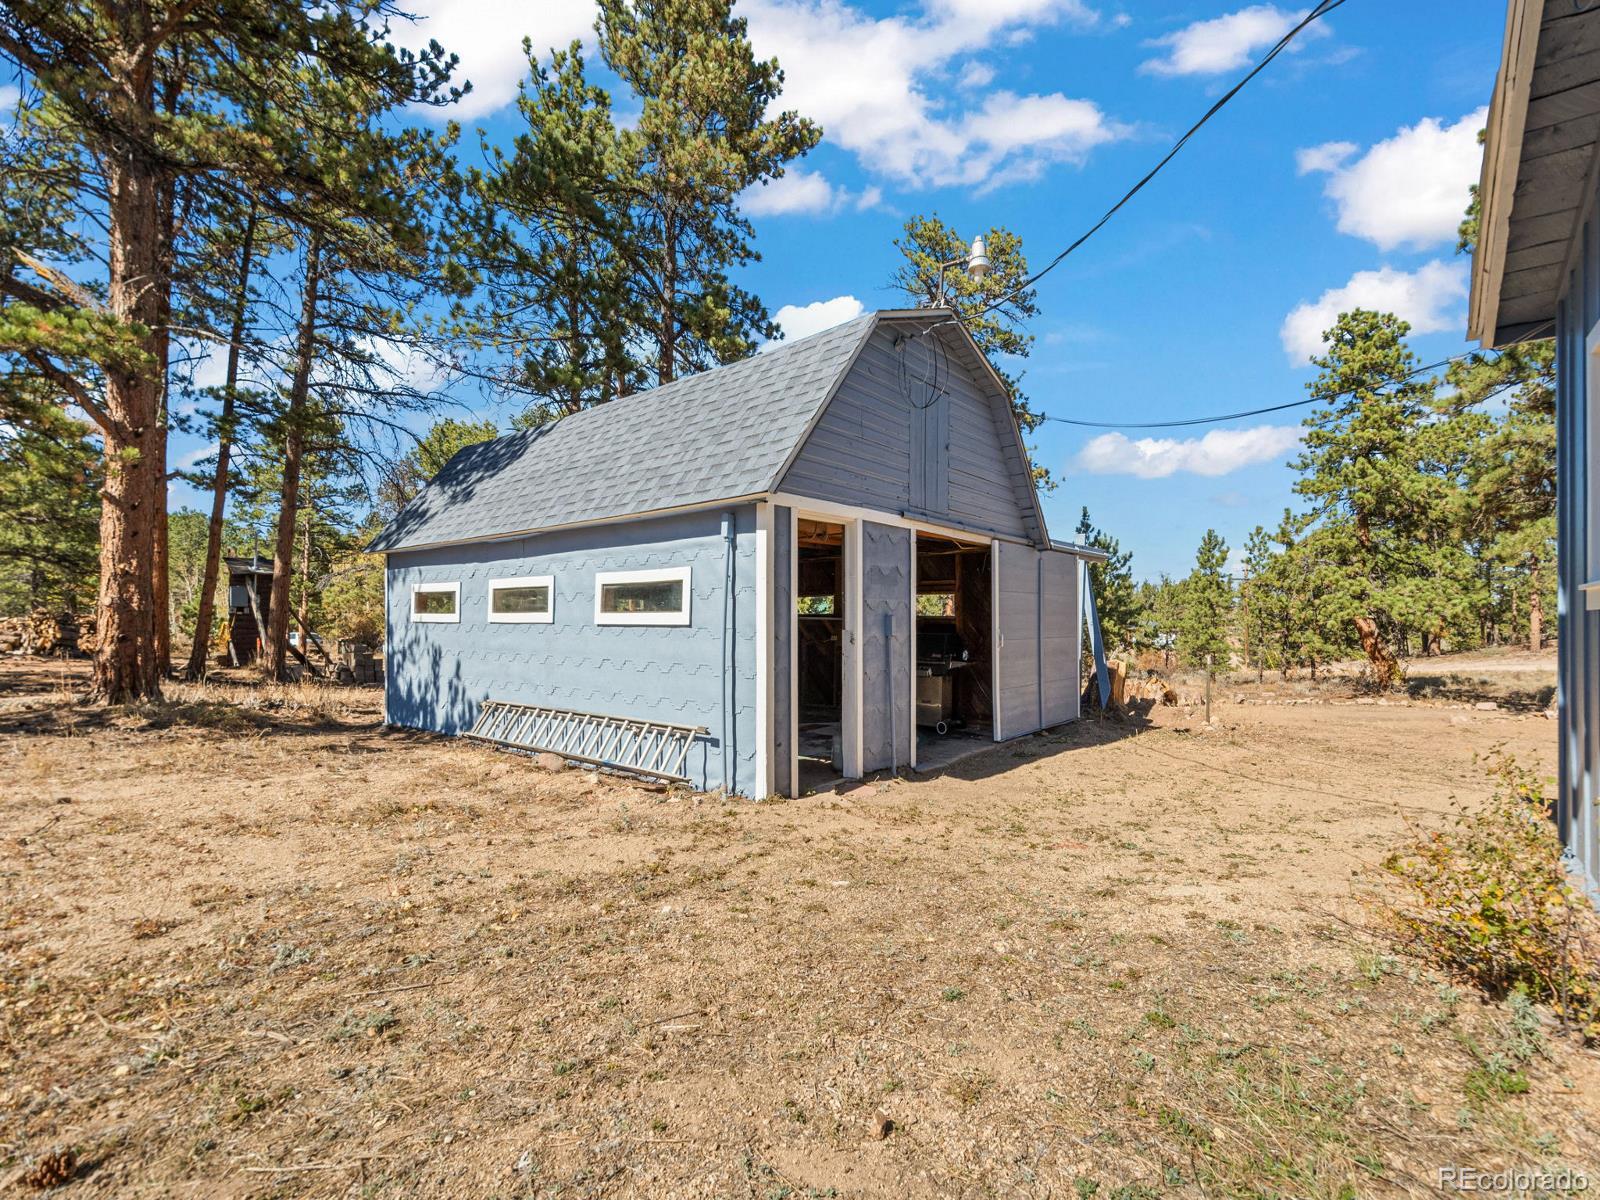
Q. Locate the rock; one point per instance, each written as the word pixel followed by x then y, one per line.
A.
pixel 547 761
pixel 1486 706
pixel 880 1125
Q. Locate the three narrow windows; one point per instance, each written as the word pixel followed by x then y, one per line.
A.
pixel 657 596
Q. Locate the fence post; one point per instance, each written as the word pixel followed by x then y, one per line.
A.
pixel 1208 688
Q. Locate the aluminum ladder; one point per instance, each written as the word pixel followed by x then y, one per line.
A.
pixel 652 748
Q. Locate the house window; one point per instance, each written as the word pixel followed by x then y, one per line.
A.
pixel 522 600
pixel 436 602
pixel 659 596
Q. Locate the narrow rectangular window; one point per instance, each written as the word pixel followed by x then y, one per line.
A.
pixel 659 596
pixel 521 600
pixel 436 602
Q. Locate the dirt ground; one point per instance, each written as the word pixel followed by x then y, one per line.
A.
pixel 252 944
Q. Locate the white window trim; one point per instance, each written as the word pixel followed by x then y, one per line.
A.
pixel 450 618
pixel 526 618
pixel 649 575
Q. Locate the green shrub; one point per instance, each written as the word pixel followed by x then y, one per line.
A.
pixel 1489 898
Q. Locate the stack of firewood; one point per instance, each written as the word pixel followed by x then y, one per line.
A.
pixel 356 663
pixel 60 635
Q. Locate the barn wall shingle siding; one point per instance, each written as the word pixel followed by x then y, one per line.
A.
pixel 892 441
pixel 439 673
pixel 886 696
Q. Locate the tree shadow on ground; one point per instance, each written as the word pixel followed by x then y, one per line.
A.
pixel 1468 689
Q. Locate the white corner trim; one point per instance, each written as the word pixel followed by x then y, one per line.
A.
pixel 523 618
pixel 765 647
pixel 453 617
pixel 648 575
pixel 792 632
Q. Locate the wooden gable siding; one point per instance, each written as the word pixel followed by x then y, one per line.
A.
pixel 953 459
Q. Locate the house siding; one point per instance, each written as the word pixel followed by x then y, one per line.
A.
pixel 1061 633
pixel 783 618
pixel 1578 629
pixel 887 719
pixel 1017 696
pixel 950 456
pixel 438 674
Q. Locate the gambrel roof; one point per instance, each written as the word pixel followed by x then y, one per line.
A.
pixel 722 435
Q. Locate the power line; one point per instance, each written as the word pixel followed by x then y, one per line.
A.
pixel 1272 408
pixel 1321 10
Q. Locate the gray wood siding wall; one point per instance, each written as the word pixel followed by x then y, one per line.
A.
pixel 783 610
pixel 1578 535
pixel 1017 624
pixel 886 574
pixel 1040 624
pixel 1061 628
pixel 954 459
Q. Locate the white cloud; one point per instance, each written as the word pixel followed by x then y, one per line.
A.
pixel 196 456
pixel 975 75
pixel 487 36
pixel 1219 452
pixel 405 365
pixel 880 88
pixel 802 320
pixel 8 97
pixel 1410 190
pixel 1228 42
pixel 1329 156
pixel 1425 298
pixel 800 191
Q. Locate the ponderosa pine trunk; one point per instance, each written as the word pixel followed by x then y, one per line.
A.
pixel 199 653
pixel 1535 612
pixel 667 346
pixel 1385 667
pixel 127 666
pixel 293 454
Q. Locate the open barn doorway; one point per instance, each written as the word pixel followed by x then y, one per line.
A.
pixel 955 637
pixel 820 615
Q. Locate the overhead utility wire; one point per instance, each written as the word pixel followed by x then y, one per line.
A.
pixel 1321 10
pixel 1272 408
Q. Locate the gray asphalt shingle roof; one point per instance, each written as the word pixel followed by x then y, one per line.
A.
pixel 713 436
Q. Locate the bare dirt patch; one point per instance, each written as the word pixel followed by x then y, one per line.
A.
pixel 255 945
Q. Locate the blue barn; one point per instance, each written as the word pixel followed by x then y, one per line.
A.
pixel 1536 274
pixel 824 560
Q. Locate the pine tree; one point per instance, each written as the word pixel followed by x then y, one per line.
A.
pixel 1115 598
pixel 49 484
pixel 709 128
pixel 1385 477
pixel 1511 510
pixel 407 476
pixel 155 98
pixel 551 235
pixel 1207 605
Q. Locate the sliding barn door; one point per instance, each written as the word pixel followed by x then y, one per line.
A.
pixel 1016 634
pixel 1060 646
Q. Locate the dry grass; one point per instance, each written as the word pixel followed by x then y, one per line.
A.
pixel 254 945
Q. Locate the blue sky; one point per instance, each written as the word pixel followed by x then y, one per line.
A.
pixel 1335 179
